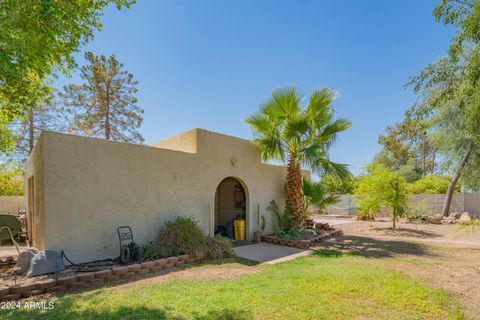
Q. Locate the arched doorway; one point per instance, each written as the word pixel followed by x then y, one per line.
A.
pixel 231 203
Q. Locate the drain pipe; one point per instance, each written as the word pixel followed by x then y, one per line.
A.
pixel 11 237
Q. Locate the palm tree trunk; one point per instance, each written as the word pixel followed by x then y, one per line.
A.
pixel 451 187
pixel 294 203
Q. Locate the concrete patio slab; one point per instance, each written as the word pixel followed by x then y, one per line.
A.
pixel 269 253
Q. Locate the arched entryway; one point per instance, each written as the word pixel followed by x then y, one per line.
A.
pixel 231 203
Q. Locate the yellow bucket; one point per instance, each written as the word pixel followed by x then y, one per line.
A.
pixel 240 228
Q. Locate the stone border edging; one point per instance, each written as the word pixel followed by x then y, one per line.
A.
pixel 302 244
pixel 85 279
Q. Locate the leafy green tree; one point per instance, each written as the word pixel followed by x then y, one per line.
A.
pixel 381 188
pixel 38 38
pixel 105 104
pixel 454 81
pixel 315 194
pixel 432 185
pixel 407 149
pixel 334 184
pixel 289 131
pixel 11 181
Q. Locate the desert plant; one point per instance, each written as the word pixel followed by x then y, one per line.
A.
pixel 315 194
pixel 291 234
pixel 288 131
pixel 183 236
pixel 282 220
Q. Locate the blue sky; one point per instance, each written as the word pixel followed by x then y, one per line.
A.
pixel 209 64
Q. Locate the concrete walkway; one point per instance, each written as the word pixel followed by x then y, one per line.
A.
pixel 269 253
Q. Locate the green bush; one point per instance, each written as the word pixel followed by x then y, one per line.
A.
pixel 432 185
pixel 149 251
pixel 183 236
pixel 417 211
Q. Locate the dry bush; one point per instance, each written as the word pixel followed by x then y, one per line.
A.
pixel 183 236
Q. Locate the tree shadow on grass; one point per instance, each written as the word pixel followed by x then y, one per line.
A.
pixel 407 232
pixel 65 309
pixel 95 289
pixel 369 248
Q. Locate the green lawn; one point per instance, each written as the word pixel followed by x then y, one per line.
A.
pixel 324 286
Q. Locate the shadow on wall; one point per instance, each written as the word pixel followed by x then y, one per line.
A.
pixel 369 248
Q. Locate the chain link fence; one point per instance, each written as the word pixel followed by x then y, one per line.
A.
pixel 433 202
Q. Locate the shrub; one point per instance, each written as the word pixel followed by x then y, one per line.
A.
pixel 214 248
pixel 183 236
pixel 417 211
pixel 149 250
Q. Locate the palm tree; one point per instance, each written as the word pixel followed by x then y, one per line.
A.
pixel 314 193
pixel 286 129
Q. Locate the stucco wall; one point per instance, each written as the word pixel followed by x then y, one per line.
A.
pixel 92 186
pixel 186 142
pixel 10 204
pixel 35 167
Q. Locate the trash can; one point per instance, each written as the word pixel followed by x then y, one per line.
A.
pixel 240 229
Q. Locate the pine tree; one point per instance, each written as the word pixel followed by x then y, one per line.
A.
pixel 105 105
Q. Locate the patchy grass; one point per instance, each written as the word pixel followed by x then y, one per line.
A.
pixel 327 285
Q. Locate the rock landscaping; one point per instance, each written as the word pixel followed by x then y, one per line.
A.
pixel 20 287
pixel 453 218
pixel 303 243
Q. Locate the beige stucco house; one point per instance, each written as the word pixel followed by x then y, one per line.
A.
pixel 79 190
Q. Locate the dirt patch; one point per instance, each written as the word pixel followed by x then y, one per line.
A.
pixel 227 271
pixel 450 267
pixel 431 232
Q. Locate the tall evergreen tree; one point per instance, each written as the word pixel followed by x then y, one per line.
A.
pixel 105 104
